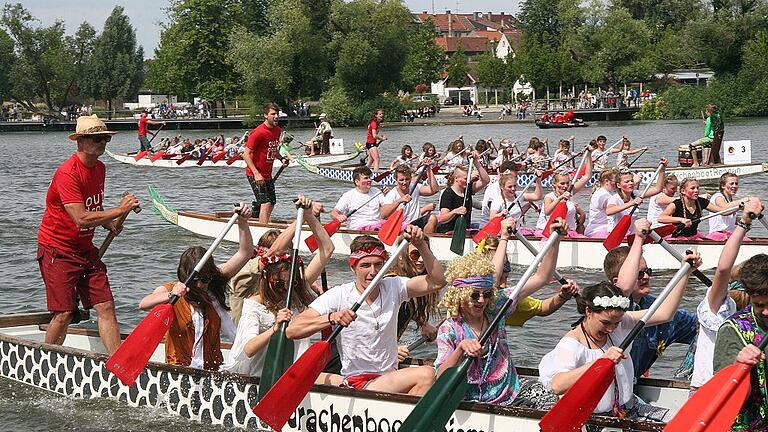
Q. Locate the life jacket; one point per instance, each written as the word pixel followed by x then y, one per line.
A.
pixel 752 416
pixel 181 336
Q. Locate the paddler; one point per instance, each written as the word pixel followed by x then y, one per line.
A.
pixel 143 129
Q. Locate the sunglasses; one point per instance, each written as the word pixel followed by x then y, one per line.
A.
pixel 641 273
pixel 100 138
pixel 414 255
pixel 476 295
pixel 205 279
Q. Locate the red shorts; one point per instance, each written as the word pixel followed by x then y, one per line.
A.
pixel 69 274
pixel 359 381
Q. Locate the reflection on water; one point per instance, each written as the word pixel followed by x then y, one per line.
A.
pixel 147 252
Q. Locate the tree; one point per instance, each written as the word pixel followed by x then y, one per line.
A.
pixel 540 18
pixel 43 66
pixel 491 72
pixel 81 48
pixel 457 69
pixel 425 59
pixel 7 58
pixel 116 67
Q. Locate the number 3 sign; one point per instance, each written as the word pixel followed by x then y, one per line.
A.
pixel 737 152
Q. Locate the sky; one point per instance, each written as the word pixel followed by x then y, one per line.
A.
pixel 147 16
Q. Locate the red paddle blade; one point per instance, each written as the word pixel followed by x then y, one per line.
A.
pixel 331 228
pixel 560 211
pixel 183 159
pixel 666 230
pixel 133 354
pixel 217 157
pixel 233 159
pixel 391 228
pixel 381 176
pixel 277 406
pixel 616 237
pixel 714 406
pixel 492 228
pixel 581 172
pixel 573 409
pixel 157 156
pixel 141 154
pixel 202 158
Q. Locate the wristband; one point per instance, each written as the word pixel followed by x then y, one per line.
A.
pixel 563 297
pixel 330 321
pixel 745 225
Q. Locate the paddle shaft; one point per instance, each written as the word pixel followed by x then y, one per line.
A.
pixel 155 134
pixel 192 276
pixel 294 258
pixel 520 284
pixel 111 236
pixel 636 158
pixel 709 216
pixel 532 249
pixel 417 343
pixel 608 150
pixel 364 204
pixel 468 188
pixel 696 272
pixel 645 191
pixel 371 286
pixel 656 305
pixel 279 171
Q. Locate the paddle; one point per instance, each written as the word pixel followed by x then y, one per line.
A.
pixel 133 354
pixel 493 227
pixel 561 209
pixel 608 150
pixel 382 175
pixel 234 158
pixel 574 408
pixel 637 157
pixel 334 225
pixel 143 153
pixel 118 224
pixel 391 229
pixel 279 403
pixel 532 249
pixel 436 168
pixel 460 226
pixel 714 406
pixel 184 157
pixel 280 350
pixel 205 154
pixel 620 230
pixel 437 406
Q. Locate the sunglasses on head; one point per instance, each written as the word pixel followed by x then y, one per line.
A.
pixel 476 295
pixel 100 138
pixel 414 255
pixel 641 273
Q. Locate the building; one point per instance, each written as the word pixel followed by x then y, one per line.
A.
pixel 149 99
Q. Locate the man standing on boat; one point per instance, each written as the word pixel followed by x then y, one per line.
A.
pixel 68 261
pixel 143 122
pixel 259 155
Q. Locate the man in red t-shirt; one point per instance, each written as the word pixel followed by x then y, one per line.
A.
pixel 69 263
pixel 143 122
pixel 373 139
pixel 261 150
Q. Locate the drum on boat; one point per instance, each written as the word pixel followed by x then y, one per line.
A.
pixel 685 156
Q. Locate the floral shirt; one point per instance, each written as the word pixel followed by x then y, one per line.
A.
pixel 492 378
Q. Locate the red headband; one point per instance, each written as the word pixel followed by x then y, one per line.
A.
pixel 376 251
pixel 265 259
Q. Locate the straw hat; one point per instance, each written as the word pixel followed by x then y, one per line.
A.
pixel 90 125
pixel 321 116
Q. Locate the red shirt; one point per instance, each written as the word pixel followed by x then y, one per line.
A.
pixel 143 124
pixel 73 182
pixel 374 124
pixel 263 143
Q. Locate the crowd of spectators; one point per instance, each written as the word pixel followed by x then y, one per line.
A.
pixel 423 112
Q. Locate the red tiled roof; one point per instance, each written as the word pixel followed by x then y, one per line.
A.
pixel 468 44
pixel 488 34
pixel 459 23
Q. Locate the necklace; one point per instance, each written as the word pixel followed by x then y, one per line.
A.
pixel 482 327
pixel 377 326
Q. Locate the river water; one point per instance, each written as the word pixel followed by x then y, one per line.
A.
pixel 145 255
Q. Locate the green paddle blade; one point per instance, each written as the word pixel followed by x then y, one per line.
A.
pixel 278 359
pixel 459 232
pixel 437 406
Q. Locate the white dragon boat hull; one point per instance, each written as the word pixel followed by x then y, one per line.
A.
pixel 222 163
pixel 78 370
pixel 580 252
pixel 704 174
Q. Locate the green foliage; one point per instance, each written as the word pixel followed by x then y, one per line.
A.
pixel 458 68
pixel 7 58
pixel 346 112
pixel 540 17
pixel 491 71
pixel 425 59
pixel 115 69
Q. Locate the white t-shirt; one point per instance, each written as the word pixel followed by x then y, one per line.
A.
pixel 411 210
pixel 570 354
pixel 491 192
pixel 616 199
pixel 721 223
pixel 560 157
pixel 654 211
pixel 366 215
pixel 254 320
pixel 570 218
pixel 621 160
pixel 198 321
pixel 709 323
pixel 598 220
pixel 500 205
pixel 598 159
pixel 363 348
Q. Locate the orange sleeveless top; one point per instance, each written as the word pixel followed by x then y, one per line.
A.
pixel 181 336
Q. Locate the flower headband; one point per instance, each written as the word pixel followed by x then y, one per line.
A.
pixel 376 251
pixel 611 302
pixel 266 259
pixel 474 282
